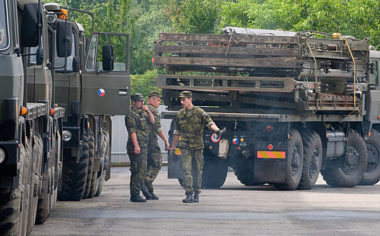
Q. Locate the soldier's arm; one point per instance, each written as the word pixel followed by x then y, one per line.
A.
pixel 210 123
pixel 136 146
pixel 162 136
pixel 131 128
pixel 150 114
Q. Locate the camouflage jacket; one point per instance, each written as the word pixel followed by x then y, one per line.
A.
pixel 155 128
pixel 190 124
pixel 138 122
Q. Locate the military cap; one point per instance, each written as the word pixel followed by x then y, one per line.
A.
pixel 154 94
pixel 185 94
pixel 137 97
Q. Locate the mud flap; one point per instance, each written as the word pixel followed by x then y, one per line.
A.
pixel 174 167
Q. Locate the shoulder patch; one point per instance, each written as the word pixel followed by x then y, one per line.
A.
pixel 204 114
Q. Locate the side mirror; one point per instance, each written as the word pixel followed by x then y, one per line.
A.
pixel 64 38
pixel 108 58
pixel 30 33
pixel 76 64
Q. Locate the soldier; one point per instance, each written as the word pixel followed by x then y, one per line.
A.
pixel 189 124
pixel 137 123
pixel 154 158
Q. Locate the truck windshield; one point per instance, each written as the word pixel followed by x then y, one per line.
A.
pixel 3 25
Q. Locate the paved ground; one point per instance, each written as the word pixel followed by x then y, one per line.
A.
pixel 232 210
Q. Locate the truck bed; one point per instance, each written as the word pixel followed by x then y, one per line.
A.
pixel 242 71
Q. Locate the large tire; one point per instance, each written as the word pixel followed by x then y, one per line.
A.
pixel 214 171
pixel 74 174
pixel 91 160
pixel 10 212
pixel 348 170
pixel 11 205
pixel 103 170
pixel 312 159
pixel 372 174
pixel 294 162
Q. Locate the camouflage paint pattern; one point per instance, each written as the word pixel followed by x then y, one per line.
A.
pixel 154 158
pixel 192 166
pixel 190 124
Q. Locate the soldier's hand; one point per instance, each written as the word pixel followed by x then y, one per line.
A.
pixel 137 150
pixel 167 146
pixel 145 108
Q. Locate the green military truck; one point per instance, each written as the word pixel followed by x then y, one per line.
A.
pixel 92 84
pixel 293 105
pixel 30 121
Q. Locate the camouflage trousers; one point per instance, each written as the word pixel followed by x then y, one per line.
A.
pixel 192 166
pixel 138 171
pixel 154 161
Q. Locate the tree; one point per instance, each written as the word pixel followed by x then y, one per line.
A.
pixel 194 16
pixel 358 18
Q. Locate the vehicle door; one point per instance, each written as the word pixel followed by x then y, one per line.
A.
pixel 106 79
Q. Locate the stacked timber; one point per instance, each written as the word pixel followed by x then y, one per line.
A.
pixel 235 67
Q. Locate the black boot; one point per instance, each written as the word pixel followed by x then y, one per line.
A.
pixel 196 197
pixel 145 192
pixel 137 198
pixel 153 196
pixel 189 198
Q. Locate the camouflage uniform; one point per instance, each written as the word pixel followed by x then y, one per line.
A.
pixel 138 122
pixel 190 125
pixel 154 153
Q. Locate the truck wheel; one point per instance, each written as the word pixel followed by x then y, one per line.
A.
pixel 312 159
pixel 102 172
pixel 74 175
pixel 11 205
pixel 91 159
pixel 372 174
pixel 243 170
pixel 214 171
pixel 10 212
pixel 294 162
pixel 348 170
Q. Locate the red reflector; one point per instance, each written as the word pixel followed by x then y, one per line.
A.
pixel 270 146
pixel 269 128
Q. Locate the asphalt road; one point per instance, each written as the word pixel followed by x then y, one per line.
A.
pixel 232 210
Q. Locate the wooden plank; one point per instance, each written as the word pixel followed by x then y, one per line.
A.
pixel 227 83
pixel 270 62
pixel 224 50
pixel 236 38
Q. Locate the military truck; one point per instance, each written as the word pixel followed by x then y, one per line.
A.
pixel 92 84
pixel 30 121
pixel 293 105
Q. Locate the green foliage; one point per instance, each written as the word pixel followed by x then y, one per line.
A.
pixel 144 19
pixel 144 83
pixel 358 18
pixel 194 16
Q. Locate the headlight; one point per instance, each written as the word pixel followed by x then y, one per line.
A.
pixel 66 135
pixel 2 155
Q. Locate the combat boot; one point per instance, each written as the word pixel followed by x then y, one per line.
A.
pixel 196 197
pixel 189 198
pixel 145 192
pixel 137 198
pixel 153 196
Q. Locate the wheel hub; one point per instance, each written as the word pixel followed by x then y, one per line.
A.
pixel 296 161
pixel 314 163
pixel 351 159
pixel 373 157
